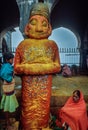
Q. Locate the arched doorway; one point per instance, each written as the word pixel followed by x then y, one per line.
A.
pixel 68 44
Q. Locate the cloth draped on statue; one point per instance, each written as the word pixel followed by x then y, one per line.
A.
pixel 36 95
pixel 36 62
pixel 75 114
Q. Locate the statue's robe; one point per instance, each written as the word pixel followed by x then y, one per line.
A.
pixel 40 55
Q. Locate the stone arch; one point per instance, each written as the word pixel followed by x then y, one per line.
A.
pixel 4 46
pixel 67 39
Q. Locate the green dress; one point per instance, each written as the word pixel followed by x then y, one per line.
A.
pixel 9 103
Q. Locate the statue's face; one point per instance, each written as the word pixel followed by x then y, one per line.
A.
pixel 38 27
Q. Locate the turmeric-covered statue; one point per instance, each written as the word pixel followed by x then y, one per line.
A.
pixel 36 59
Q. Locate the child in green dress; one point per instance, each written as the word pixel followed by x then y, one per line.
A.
pixel 9 102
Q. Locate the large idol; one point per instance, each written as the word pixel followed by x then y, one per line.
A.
pixel 36 59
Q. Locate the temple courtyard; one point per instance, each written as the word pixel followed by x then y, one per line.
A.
pixel 62 88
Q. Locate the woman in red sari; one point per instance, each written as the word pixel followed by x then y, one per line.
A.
pixel 74 113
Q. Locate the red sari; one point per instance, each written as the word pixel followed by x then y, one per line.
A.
pixel 75 114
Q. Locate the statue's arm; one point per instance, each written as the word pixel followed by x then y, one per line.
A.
pixel 37 68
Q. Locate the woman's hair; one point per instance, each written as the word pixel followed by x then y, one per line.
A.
pixel 77 92
pixel 7 56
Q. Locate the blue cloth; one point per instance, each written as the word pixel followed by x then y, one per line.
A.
pixel 6 72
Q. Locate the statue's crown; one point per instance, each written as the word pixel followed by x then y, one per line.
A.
pixel 40 9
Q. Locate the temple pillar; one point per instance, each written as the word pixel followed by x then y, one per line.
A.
pixel 84 53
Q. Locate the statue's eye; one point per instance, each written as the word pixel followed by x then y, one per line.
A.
pixel 44 24
pixel 33 22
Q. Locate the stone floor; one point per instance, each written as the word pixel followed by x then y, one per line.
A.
pixel 62 88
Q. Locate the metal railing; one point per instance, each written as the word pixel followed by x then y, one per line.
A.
pixel 70 56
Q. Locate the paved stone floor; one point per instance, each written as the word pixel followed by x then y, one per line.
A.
pixel 62 88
